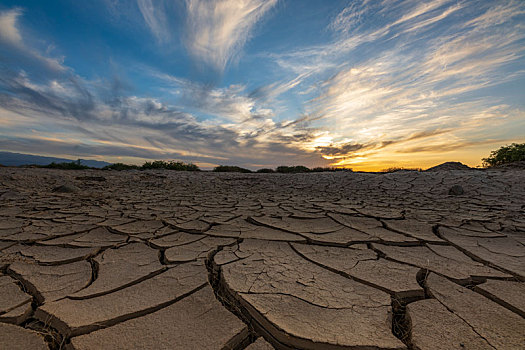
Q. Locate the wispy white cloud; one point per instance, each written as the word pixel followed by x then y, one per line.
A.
pixel 433 19
pixel 11 38
pixel 230 104
pixel 155 17
pixel 217 30
pixel 8 26
pixel 421 8
pixel 498 14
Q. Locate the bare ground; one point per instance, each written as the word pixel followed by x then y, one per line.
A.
pixel 176 260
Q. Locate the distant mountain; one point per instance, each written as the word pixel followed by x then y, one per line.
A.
pixel 16 159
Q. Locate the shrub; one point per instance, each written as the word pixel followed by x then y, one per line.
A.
pixel 328 169
pixel 505 154
pixel 394 169
pixel 231 169
pixel 157 164
pixel 66 166
pixel 171 165
pixel 292 169
pixel 120 166
pixel 266 170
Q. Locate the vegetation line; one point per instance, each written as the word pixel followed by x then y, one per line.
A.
pixel 500 157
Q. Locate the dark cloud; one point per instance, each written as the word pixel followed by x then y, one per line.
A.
pixel 29 145
pixel 18 94
pixel 347 149
pixel 343 150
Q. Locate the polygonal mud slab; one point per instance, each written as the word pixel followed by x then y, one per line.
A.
pixel 175 239
pixel 510 294
pixel 229 254
pixel 242 229
pixel 414 228
pixel 467 230
pixel 99 237
pixel 17 315
pixel 260 344
pixel 198 321
pixel 11 297
pixel 9 233
pixel 51 229
pixel 363 264
pixel 4 245
pixel 445 260
pixel 343 237
pixel 501 328
pixel 46 255
pixel 48 283
pixel 140 227
pixel 119 268
pixel 195 250
pixel 80 316
pixel 503 252
pixel 115 221
pixel 192 226
pixel 433 327
pixel 381 212
pixel 373 227
pixel 7 223
pixel 215 218
pixel 303 305
pixel 84 219
pixel 321 225
pixel 23 237
pixel 17 338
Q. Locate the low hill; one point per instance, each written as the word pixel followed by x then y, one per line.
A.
pixel 449 166
pixel 17 159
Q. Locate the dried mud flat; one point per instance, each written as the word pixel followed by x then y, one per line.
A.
pixel 170 260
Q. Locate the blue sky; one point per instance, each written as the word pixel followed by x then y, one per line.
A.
pixel 260 83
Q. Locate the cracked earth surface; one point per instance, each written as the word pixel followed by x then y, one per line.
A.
pixel 175 260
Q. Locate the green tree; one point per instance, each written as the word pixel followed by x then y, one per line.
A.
pixel 505 154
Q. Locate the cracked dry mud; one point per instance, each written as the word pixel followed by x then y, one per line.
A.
pixel 171 260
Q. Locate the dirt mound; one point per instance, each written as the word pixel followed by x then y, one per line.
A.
pixel 449 166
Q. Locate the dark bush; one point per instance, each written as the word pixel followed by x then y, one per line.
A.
pixel 120 166
pixel 328 169
pixel 66 166
pixel 266 170
pixel 292 169
pixel 505 154
pixel 395 169
pixel 171 165
pixel 230 169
